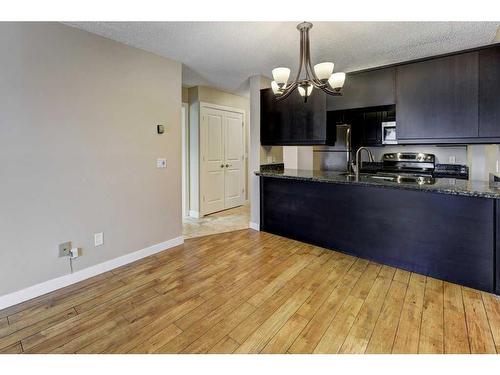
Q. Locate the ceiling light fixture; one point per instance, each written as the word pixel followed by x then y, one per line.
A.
pixel 321 76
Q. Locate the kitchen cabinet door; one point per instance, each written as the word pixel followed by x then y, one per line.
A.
pixel 437 100
pixel 274 116
pixel 489 92
pixel 366 89
pixel 372 128
pixel 291 121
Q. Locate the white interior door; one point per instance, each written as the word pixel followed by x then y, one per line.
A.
pixel 212 160
pixel 234 194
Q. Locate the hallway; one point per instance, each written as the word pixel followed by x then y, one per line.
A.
pixel 220 222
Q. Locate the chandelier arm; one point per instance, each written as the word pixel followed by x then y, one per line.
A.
pixel 318 85
pixel 309 74
pixel 301 61
pixel 286 93
pixel 307 51
pixel 307 57
pixel 313 76
pixel 331 92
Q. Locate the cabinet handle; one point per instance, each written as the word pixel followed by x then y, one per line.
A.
pixel 222 165
pixel 227 165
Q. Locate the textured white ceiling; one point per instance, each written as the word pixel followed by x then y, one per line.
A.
pixel 225 54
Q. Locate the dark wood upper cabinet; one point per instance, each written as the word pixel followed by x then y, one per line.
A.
pixel 489 92
pixel 452 99
pixel 291 121
pixel 437 100
pixel 372 128
pixel 365 89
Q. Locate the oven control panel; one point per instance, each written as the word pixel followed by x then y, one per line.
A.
pixel 409 156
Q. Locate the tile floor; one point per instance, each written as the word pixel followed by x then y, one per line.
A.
pixel 220 222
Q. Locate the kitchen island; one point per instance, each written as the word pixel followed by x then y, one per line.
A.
pixel 447 229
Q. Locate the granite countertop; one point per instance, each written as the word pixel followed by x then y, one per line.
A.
pixel 441 185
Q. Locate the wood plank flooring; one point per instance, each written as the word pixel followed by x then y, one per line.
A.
pixel 253 292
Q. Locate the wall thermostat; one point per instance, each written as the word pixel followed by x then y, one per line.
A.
pixel 160 129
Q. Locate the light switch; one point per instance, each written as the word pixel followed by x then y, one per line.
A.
pixel 98 239
pixel 452 159
pixel 161 163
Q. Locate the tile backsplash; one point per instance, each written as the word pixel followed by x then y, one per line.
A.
pixel 481 159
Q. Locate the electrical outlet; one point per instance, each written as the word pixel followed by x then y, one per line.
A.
pixel 452 159
pixel 98 239
pixel 74 253
pixel 161 163
pixel 64 249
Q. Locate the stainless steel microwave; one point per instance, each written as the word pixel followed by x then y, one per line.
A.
pixel 389 133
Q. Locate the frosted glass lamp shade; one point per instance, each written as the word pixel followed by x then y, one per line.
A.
pixel 323 70
pixel 337 80
pixel 281 75
pixel 305 91
pixel 276 88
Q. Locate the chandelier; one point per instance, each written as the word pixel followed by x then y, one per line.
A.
pixel 321 76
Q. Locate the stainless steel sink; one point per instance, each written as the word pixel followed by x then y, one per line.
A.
pixel 347 174
pixel 369 176
pixel 377 177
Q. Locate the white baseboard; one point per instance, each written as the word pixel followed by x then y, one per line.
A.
pixel 63 281
pixel 194 214
pixel 254 226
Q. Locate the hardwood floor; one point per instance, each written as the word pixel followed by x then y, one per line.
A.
pixel 253 292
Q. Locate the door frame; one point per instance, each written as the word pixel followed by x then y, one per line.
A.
pixel 185 158
pixel 204 105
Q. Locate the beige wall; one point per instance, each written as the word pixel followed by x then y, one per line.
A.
pixel 215 96
pixel 496 39
pixel 257 83
pixel 483 160
pixel 194 155
pixel 298 157
pixel 78 149
pixel 210 95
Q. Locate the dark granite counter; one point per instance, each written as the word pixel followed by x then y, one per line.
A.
pixel 440 185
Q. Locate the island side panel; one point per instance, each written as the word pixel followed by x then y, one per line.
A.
pixel 497 247
pixel 445 236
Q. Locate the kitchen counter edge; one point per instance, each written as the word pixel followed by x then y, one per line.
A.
pixel 477 189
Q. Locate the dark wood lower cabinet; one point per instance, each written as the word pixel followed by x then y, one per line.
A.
pixel 444 236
